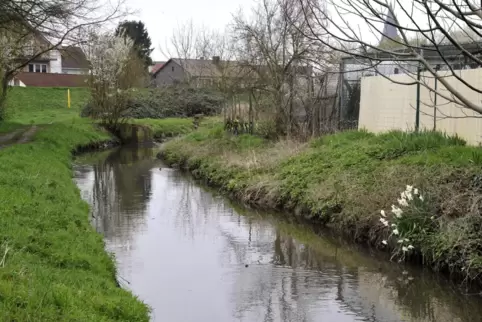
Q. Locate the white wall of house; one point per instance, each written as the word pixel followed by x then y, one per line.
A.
pixel 56 62
pixel 16 82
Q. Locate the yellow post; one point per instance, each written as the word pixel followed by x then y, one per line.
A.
pixel 68 98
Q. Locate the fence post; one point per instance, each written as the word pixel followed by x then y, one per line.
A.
pixel 341 101
pixel 435 106
pixel 437 68
pixel 417 113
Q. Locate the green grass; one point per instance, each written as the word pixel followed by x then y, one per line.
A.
pixel 37 105
pixel 344 180
pixel 43 106
pixel 56 268
pixel 53 266
pixel 172 127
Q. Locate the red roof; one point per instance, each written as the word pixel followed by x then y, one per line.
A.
pixel 52 80
pixel 157 66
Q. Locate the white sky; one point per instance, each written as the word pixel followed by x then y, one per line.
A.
pixel 162 17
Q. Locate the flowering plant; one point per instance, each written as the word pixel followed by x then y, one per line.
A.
pixel 408 222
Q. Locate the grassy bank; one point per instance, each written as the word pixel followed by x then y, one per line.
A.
pixel 343 181
pixel 53 266
pixel 34 105
pixel 53 263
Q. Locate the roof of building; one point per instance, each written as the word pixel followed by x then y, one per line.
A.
pixel 156 66
pixel 74 57
pixel 222 68
pixel 52 80
pixel 429 52
pixel 198 67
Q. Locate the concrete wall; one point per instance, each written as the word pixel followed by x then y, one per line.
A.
pixel 385 106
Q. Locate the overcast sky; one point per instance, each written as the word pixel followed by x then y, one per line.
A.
pixel 162 17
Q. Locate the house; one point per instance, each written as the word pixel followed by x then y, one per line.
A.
pixel 155 67
pixel 202 72
pixel 63 66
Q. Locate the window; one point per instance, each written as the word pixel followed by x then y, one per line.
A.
pixel 37 68
pixel 172 68
pixel 396 71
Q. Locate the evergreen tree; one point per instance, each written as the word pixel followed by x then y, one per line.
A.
pixel 138 33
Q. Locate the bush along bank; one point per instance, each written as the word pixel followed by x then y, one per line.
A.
pixel 53 266
pixel 416 195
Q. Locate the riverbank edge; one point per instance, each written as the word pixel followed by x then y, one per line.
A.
pixel 226 179
pixel 93 298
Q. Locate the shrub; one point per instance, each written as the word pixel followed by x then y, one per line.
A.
pixel 172 101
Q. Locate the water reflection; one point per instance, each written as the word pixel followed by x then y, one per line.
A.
pixel 184 251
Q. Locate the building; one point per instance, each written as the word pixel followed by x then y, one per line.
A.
pixel 201 72
pixel 63 66
pixel 65 60
pixel 156 65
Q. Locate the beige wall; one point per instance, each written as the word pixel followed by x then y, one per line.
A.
pixel 385 105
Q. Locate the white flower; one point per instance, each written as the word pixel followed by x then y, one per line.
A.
pixel 403 202
pixel 382 212
pixel 384 242
pixel 384 222
pixel 393 225
pixel 406 240
pixel 421 197
pixel 400 241
pixel 397 211
pixel 415 191
pixel 409 188
pixel 405 249
pixel 410 247
pixel 403 196
pixel 433 217
pixel 409 195
pixel 395 231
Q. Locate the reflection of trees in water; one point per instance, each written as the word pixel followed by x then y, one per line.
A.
pixel 287 279
pixel 121 190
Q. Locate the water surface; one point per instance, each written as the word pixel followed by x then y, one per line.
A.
pixel 192 256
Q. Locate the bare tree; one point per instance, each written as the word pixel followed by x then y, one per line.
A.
pixel 424 29
pixel 32 29
pixel 272 42
pixel 190 42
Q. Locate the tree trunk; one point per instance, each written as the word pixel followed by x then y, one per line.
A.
pixel 3 97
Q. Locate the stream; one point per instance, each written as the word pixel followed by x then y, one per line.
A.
pixel 192 255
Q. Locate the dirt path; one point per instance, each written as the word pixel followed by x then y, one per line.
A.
pixel 19 136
